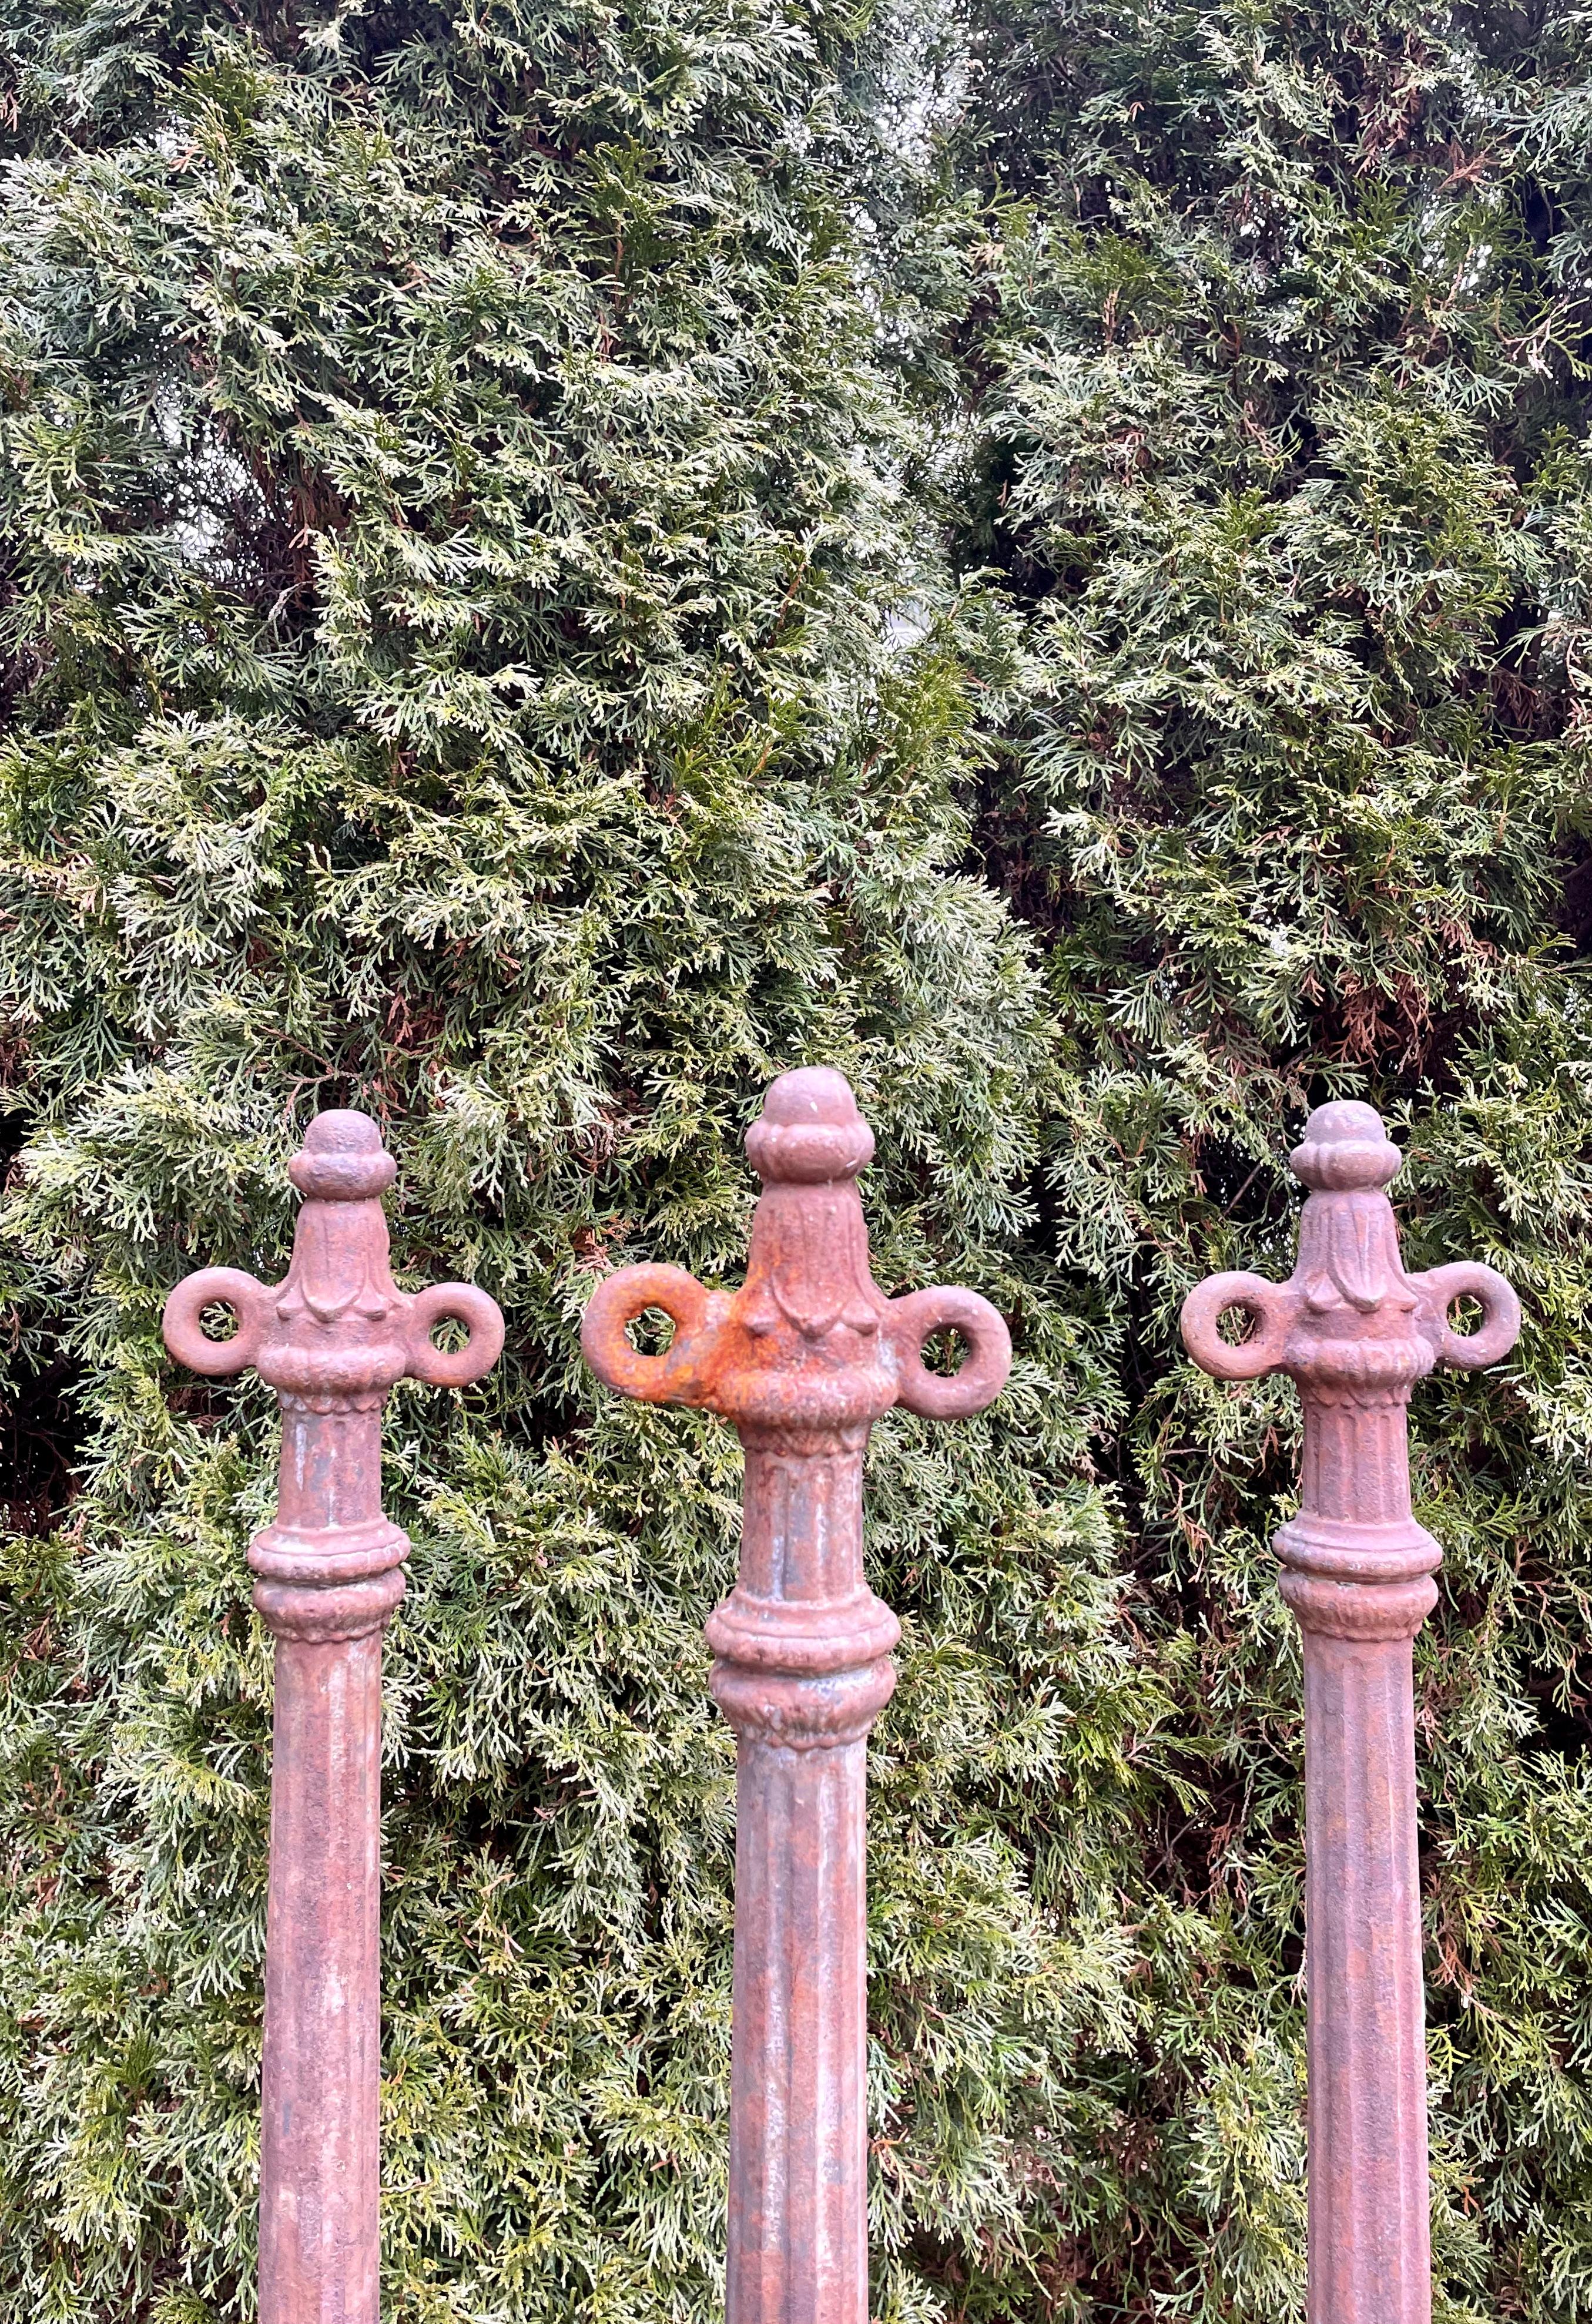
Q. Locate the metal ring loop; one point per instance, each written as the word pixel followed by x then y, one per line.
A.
pixel 912 1321
pixel 214 1286
pixel 1468 1351
pixel 675 1375
pixel 1249 1359
pixel 458 1303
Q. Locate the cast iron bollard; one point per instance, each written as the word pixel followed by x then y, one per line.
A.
pixel 1356 1332
pixel 803 1359
pixel 332 1338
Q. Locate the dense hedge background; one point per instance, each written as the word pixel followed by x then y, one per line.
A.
pixel 561 560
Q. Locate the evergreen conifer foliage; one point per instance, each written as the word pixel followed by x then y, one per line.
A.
pixel 451 521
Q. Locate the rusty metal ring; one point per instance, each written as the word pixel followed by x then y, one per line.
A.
pixel 1266 1303
pixel 214 1286
pixel 458 1303
pixel 615 1304
pixel 1465 1278
pixel 910 1322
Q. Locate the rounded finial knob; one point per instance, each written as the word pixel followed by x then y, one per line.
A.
pixel 810 1130
pixel 1346 1149
pixel 343 1160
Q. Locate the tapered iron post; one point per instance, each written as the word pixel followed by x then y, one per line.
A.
pixel 1356 1332
pixel 803 1359
pixel 332 1339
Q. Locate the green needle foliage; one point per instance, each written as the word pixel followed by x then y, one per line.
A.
pixel 561 560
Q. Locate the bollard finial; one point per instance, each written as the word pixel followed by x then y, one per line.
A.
pixel 809 1339
pixel 337 1327
pixel 332 1338
pixel 810 1130
pixel 1346 1149
pixel 1348 1293
pixel 343 1160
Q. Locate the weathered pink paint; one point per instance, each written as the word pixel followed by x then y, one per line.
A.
pixel 1356 1332
pixel 803 1359
pixel 332 1338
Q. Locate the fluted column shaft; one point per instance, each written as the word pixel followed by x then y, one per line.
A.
pixel 1370 2254
pixel 321 2075
pixel 328 1575
pixel 798 2232
pixel 802 1670
pixel 1357 1570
